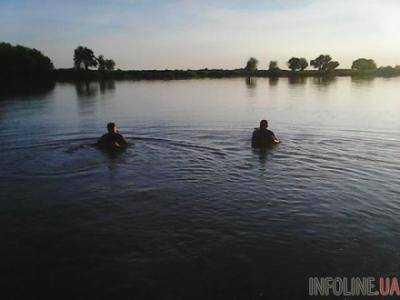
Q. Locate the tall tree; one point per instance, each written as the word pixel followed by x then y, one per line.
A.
pixel 324 63
pixel 321 62
pixel 252 64
pixel 273 65
pixel 105 64
pixel 84 56
pixel 363 64
pixel 110 64
pixel 101 63
pixel 332 65
pixel 294 64
pixel 303 63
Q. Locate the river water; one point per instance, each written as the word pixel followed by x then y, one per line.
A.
pixel 190 211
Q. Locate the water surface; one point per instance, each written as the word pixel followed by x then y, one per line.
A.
pixel 190 210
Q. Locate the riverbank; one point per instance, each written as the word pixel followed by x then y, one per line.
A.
pixel 28 83
pixel 72 74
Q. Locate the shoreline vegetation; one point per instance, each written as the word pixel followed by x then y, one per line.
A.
pixel 72 74
pixel 23 68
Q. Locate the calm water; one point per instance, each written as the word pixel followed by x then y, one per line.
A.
pixel 191 211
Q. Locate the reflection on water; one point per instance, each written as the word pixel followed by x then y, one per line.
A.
pixel 273 81
pixel 251 82
pixel 89 89
pixel 297 80
pixel 191 210
pixel 106 86
pixel 87 93
pixel 26 88
pixel 359 80
pixel 324 81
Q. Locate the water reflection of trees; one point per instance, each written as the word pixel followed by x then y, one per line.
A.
pixel 106 86
pixel 33 87
pixel 300 80
pixel 362 80
pixel 318 81
pixel 88 94
pixel 324 80
pixel 86 89
pixel 251 82
pixel 273 81
pixel 89 89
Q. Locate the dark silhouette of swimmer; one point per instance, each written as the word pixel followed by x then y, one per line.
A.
pixel 263 137
pixel 112 140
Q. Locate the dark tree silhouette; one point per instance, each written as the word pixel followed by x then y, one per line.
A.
pixel 273 65
pixel 321 62
pixel 252 64
pixel 303 64
pixel 110 64
pixel 19 61
pixel 105 64
pixel 101 62
pixel 332 65
pixel 294 64
pixel 363 64
pixel 387 71
pixel 84 56
pixel 324 63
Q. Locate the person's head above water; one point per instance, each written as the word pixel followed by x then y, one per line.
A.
pixel 111 127
pixel 263 124
pixel 112 140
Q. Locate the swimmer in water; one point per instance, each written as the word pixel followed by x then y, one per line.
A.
pixel 112 140
pixel 262 136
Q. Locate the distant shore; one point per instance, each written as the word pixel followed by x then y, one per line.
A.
pixel 25 68
pixel 44 82
pixel 73 74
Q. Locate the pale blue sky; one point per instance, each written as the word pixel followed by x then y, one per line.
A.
pixel 145 34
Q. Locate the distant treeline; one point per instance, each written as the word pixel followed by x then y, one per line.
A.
pixel 18 62
pixel 73 74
